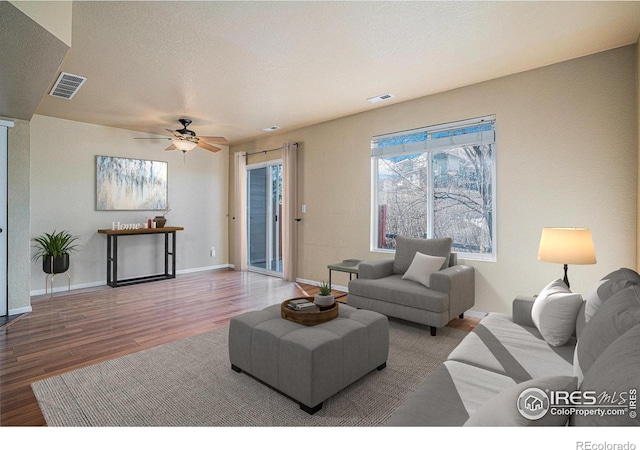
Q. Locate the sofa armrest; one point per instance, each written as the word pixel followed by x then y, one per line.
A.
pixel 459 283
pixel 375 269
pixel 521 310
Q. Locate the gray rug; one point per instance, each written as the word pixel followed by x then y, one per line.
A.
pixel 190 383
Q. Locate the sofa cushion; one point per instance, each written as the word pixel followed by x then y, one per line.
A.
pixel 618 314
pixel 607 286
pixel 395 290
pixel 407 247
pixel 448 396
pixel 503 409
pixel 519 352
pixel 616 372
pixel 422 267
pixel 580 320
pixel 555 311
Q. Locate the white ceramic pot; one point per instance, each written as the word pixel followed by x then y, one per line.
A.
pixel 323 300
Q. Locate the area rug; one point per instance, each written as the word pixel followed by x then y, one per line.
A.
pixel 190 383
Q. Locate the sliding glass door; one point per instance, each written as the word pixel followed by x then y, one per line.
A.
pixel 264 212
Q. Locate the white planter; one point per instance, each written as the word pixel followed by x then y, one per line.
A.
pixel 323 300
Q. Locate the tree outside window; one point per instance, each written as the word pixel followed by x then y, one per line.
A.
pixel 438 192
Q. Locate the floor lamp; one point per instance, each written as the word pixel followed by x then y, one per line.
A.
pixel 567 246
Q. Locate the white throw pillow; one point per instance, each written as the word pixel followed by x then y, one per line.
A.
pixel 422 267
pixel 555 311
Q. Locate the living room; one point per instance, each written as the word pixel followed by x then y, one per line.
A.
pixel 566 153
pixel 587 163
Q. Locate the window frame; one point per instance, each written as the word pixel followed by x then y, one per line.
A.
pixel 374 221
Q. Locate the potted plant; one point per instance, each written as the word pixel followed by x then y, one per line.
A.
pixel 161 220
pixel 324 298
pixel 54 249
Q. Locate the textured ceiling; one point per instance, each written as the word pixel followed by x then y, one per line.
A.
pixel 235 68
pixel 25 80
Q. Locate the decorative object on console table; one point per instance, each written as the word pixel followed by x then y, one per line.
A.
pixel 324 299
pixel 161 221
pixel 567 246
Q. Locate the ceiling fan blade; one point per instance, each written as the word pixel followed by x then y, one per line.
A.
pixel 206 146
pixel 174 132
pixel 214 139
pixel 152 138
pixel 171 147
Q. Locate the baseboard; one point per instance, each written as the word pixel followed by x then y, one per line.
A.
pixel 204 269
pixel 104 282
pixel 65 288
pixel 23 310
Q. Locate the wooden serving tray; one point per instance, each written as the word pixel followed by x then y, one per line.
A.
pixel 308 317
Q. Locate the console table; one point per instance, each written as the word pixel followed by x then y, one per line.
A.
pixel 112 255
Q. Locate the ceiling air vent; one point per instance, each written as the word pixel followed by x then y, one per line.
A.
pixel 380 98
pixel 67 85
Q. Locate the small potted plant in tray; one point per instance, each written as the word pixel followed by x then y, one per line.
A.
pixel 54 249
pixel 324 299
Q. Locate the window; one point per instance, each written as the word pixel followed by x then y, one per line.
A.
pixel 436 182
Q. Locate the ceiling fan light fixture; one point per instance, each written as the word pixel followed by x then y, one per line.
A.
pixel 183 145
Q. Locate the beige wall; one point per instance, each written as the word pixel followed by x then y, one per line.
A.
pixel 63 198
pixel 566 156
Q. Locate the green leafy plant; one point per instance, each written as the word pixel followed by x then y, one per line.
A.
pixel 325 289
pixel 54 244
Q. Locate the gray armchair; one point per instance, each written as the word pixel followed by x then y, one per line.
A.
pixel 381 288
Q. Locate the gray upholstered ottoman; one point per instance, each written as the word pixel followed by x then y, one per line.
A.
pixel 308 363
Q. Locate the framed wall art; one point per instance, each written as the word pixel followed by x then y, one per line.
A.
pixel 124 184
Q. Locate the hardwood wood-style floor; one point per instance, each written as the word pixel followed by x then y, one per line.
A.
pixel 84 327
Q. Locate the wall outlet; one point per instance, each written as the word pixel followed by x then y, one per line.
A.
pixel 304 209
pixel 212 252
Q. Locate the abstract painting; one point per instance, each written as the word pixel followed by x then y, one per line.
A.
pixel 130 184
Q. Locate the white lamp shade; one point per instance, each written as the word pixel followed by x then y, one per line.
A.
pixel 183 145
pixel 567 246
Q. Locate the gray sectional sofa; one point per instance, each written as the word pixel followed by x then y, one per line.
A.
pixel 423 283
pixel 559 359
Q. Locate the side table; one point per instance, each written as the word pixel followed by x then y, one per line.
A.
pixel 349 266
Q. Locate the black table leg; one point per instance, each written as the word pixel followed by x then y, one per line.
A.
pixel 173 254
pixel 109 260
pixel 166 254
pixel 114 262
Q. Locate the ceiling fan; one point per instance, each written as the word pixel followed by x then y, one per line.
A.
pixel 186 140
